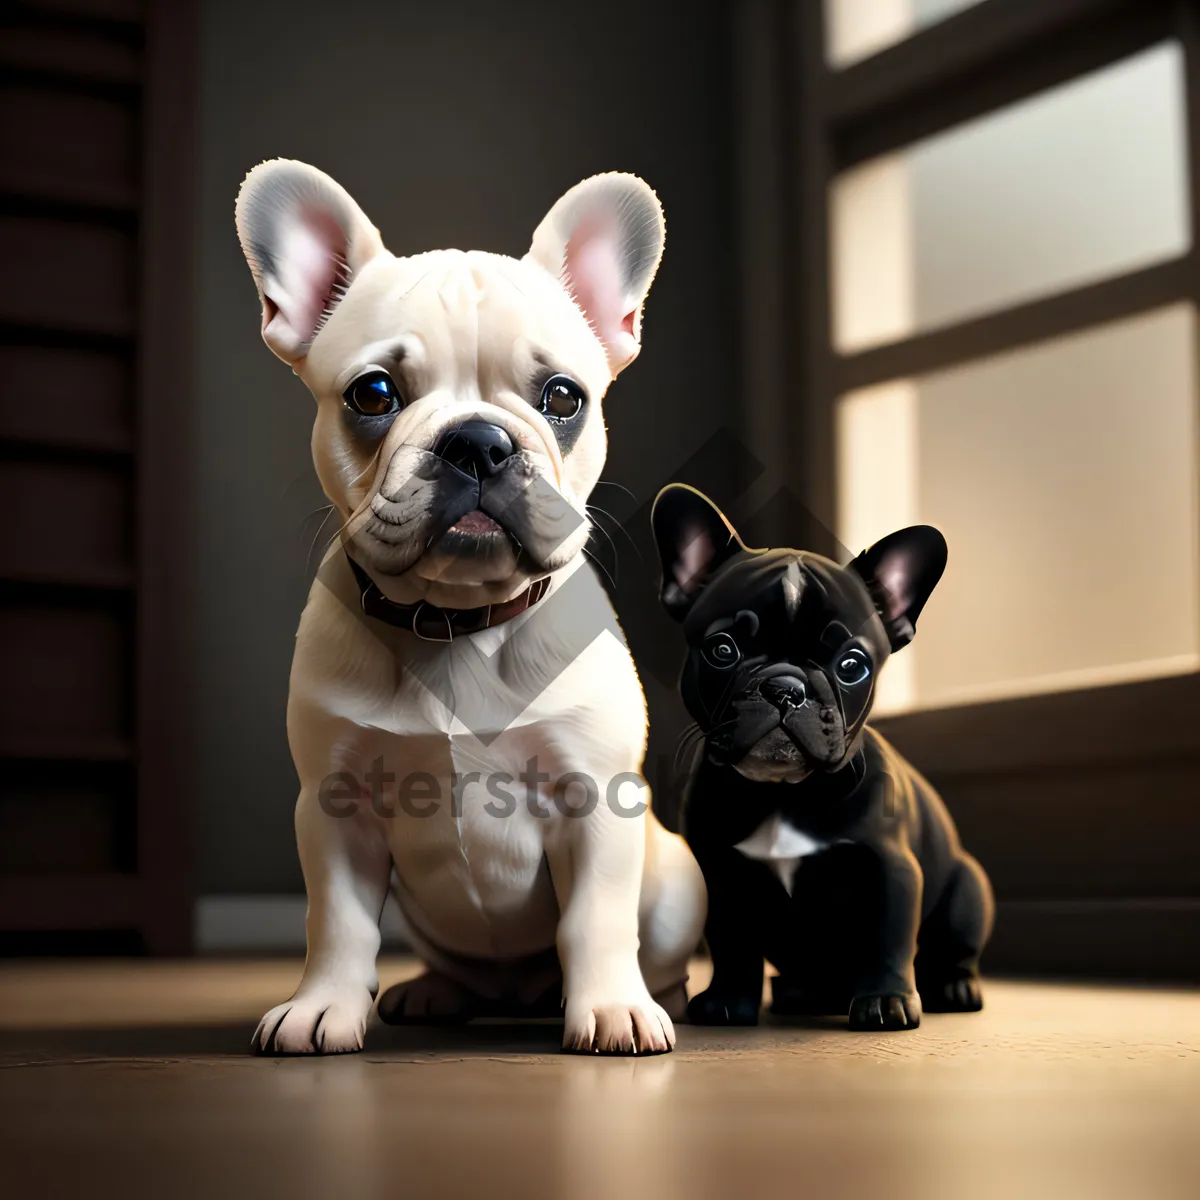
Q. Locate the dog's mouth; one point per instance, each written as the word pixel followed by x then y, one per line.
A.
pixel 776 758
pixel 477 526
pixel 476 523
pixel 478 538
pixel 762 744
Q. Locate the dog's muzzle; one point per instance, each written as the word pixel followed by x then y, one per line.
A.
pixel 470 465
pixel 476 448
pixel 785 704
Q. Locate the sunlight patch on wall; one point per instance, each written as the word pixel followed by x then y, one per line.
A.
pixel 1064 478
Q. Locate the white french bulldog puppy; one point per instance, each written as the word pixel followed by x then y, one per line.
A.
pixel 466 727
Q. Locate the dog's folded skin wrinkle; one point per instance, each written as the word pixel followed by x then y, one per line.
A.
pixel 824 851
pixel 455 632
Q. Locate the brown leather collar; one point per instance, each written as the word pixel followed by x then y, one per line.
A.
pixel 431 623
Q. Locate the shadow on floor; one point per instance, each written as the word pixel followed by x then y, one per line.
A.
pixel 478 1039
pixel 208 1041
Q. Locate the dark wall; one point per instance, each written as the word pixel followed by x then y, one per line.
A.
pixel 454 124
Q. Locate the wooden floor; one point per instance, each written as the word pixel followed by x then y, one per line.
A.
pixel 132 1079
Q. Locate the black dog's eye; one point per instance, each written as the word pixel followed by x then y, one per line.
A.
pixel 721 651
pixel 852 667
pixel 562 398
pixel 373 395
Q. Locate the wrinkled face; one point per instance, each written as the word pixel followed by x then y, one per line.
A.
pixel 459 429
pixel 784 647
pixel 783 652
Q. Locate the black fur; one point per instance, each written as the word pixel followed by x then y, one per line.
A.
pixel 784 649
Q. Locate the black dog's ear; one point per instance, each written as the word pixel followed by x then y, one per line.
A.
pixel 694 539
pixel 901 571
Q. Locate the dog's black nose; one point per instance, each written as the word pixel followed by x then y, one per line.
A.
pixel 784 691
pixel 477 447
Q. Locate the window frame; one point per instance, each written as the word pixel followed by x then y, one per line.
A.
pixel 1132 747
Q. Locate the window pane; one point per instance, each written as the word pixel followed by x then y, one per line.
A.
pixel 1064 479
pixel 1081 183
pixel 855 29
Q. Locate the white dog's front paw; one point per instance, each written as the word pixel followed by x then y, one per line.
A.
pixel 617 1027
pixel 322 1021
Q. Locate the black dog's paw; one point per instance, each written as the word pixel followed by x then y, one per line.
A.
pixel 876 1013
pixel 953 995
pixel 713 1007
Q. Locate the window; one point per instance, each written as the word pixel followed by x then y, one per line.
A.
pixel 1063 475
pixel 1077 184
pixel 1014 450
pixel 983 318
pixel 856 29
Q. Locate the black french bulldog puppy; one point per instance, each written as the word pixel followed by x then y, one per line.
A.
pixel 823 850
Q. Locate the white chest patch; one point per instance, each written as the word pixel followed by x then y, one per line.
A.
pixel 781 846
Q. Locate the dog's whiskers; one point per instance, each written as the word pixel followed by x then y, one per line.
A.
pixel 693 736
pixel 604 512
pixel 369 467
pixel 328 510
pixel 595 525
pixel 619 486
pixel 346 523
pixel 607 575
pixel 685 742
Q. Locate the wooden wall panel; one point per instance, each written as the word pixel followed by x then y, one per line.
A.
pixel 66 520
pixel 1097 939
pixel 67 275
pixel 35 122
pixel 51 828
pixel 66 395
pixel 95 186
pixel 68 675
pixel 1097 832
pixel 131 12
pixel 81 55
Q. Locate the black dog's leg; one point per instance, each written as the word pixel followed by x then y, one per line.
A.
pixel 952 937
pixel 888 997
pixel 833 923
pixel 735 916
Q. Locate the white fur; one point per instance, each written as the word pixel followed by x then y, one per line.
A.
pixel 781 846
pixel 620 897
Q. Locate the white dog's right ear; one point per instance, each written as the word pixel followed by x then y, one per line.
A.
pixel 603 241
pixel 305 239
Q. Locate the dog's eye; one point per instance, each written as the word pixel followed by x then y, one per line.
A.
pixel 852 667
pixel 373 395
pixel 721 651
pixel 562 399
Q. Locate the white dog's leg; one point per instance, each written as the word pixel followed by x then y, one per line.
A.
pixel 673 906
pixel 596 863
pixel 346 868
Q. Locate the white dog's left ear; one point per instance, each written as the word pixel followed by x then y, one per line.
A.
pixel 603 240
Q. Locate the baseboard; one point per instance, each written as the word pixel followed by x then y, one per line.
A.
pixel 1155 940
pixel 1152 940
pixel 269 924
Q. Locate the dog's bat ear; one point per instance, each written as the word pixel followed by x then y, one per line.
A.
pixel 305 240
pixel 901 572
pixel 603 241
pixel 694 538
